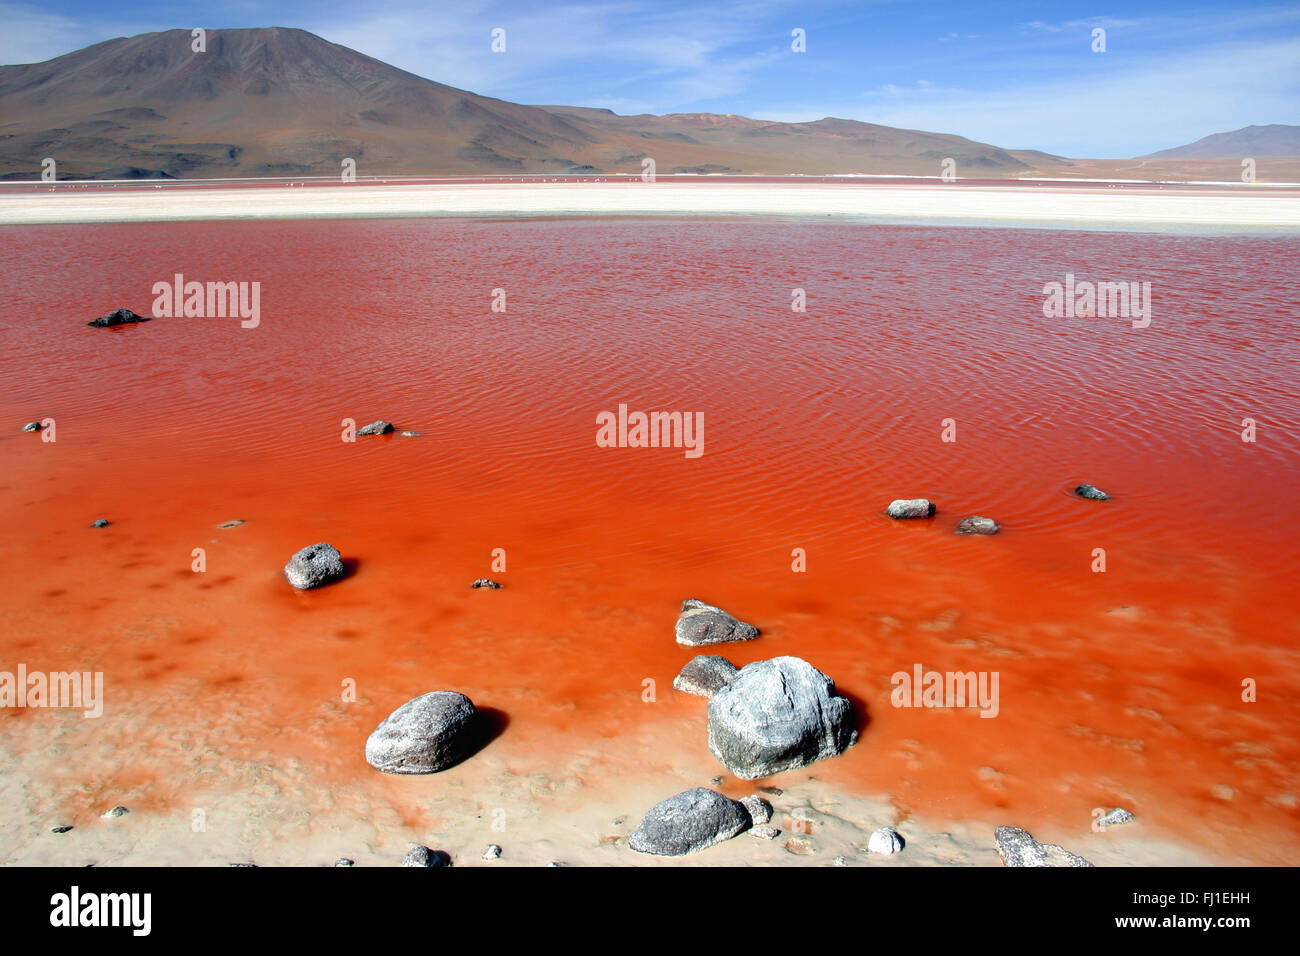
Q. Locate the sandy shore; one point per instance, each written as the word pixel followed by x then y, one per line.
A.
pixel 1235 209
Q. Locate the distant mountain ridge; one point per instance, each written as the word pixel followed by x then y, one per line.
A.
pixel 1276 139
pixel 278 101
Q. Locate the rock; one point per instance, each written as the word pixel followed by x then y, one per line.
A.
pixel 778 715
pixel 840 861
pixel 977 525
pixel 701 623
pixel 1018 848
pixel 493 852
pixel 114 813
pixel 771 791
pixel 380 427
pixel 760 811
pixel 60 829
pixel 314 566
pixel 885 840
pixel 1116 817
pixel 717 781
pixel 765 833
pixel 32 427
pixel 230 524
pixel 691 821
pixel 409 434
pixel 252 866
pixel 911 508
pixel 426 734
pixel 117 317
pixel 484 583
pixel 99 523
pixel 1091 491
pixel 423 856
pixel 344 861
pixel 704 674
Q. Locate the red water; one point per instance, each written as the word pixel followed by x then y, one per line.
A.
pixel 1116 688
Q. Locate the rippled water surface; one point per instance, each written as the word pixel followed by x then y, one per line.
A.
pixel 1116 688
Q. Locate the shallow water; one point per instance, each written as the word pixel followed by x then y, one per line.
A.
pixel 1116 688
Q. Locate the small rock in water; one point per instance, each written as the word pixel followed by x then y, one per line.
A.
pixel 314 566
pixel 885 840
pixel 688 822
pixel 911 508
pixel 485 583
pixel 230 524
pixel 1091 491
pixel 344 861
pixel 113 814
pixel 423 856
pixel 117 317
pixel 765 833
pixel 977 525
pixel 426 734
pixel 493 852
pixel 704 675
pixel 1117 817
pixel 32 427
pixel 1018 848
pixel 380 427
pixel 778 715
pixel 60 829
pixel 99 523
pixel 701 623
pixel 760 811
pixel 409 434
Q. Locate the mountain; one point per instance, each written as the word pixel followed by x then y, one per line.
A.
pixel 283 102
pixel 1275 140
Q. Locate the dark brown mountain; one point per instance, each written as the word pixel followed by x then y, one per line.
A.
pixel 284 102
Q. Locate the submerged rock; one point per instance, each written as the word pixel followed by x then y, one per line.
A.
pixel 701 623
pixel 1091 491
pixel 314 566
pixel 778 715
pixel 99 523
pixel 886 841
pixel 704 675
pixel 230 524
pixel 1018 848
pixel 911 508
pixel 118 317
pixel 380 427
pixel 411 434
pixel 426 734
pixel 691 821
pixel 977 525
pixel 423 856
pixel 1116 817
pixel 484 583
pixel 33 427
pixel 60 829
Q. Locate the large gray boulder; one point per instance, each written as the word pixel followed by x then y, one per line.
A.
pixel 313 566
pixel 701 623
pixel 777 715
pixel 1018 848
pixel 427 734
pixel 705 674
pixel 689 822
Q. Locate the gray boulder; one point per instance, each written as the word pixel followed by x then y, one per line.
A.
pixel 1018 848
pixel 977 525
pixel 777 715
pixel 313 566
pixel 704 674
pixel 427 734
pixel 1091 491
pixel 380 427
pixel 910 508
pixel 423 856
pixel 701 623
pixel 691 821
pixel 117 317
pixel 1117 817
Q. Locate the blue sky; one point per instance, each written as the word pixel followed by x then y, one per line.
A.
pixel 1020 75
